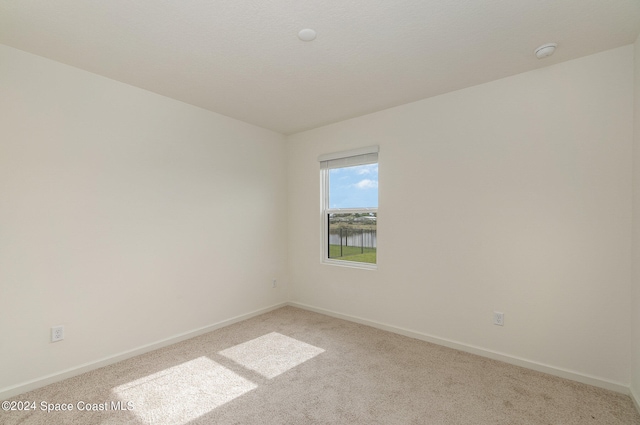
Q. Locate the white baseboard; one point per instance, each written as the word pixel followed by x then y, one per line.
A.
pixel 12 391
pixel 15 390
pixel 635 398
pixel 540 367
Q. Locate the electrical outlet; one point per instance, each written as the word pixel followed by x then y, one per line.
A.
pixel 498 318
pixel 274 283
pixel 57 333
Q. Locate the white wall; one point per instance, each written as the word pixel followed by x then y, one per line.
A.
pixel 129 217
pixel 635 371
pixel 126 216
pixel 514 196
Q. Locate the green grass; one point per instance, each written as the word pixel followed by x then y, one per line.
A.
pixel 353 253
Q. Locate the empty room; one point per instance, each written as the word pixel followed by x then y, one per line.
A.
pixel 336 212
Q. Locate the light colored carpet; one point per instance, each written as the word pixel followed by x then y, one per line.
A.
pixel 291 366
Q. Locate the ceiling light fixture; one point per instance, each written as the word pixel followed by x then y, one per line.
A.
pixel 307 34
pixel 545 50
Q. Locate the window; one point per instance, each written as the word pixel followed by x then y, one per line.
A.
pixel 349 198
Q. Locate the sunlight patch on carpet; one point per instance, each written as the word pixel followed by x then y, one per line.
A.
pixel 182 393
pixel 272 354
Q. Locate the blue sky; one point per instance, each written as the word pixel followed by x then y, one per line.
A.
pixel 354 187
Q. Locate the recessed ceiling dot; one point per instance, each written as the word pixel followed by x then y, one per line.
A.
pixel 307 34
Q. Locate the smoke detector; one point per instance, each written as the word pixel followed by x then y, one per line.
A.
pixel 545 50
pixel 307 34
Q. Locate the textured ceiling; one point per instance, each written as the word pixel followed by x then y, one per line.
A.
pixel 242 58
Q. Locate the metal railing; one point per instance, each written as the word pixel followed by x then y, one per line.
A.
pixel 349 238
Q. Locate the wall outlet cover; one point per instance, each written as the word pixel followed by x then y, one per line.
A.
pixel 57 333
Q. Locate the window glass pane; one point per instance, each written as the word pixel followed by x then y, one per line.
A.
pixel 354 187
pixel 352 237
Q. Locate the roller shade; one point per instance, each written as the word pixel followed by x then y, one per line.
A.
pixel 351 158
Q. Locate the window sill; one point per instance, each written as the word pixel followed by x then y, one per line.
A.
pixel 350 264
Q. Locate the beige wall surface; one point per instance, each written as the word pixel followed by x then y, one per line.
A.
pixel 126 216
pixel 635 367
pixel 513 196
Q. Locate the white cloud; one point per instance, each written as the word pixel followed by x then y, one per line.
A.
pixel 366 184
pixel 366 169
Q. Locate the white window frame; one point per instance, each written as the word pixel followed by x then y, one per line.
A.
pixel 351 158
